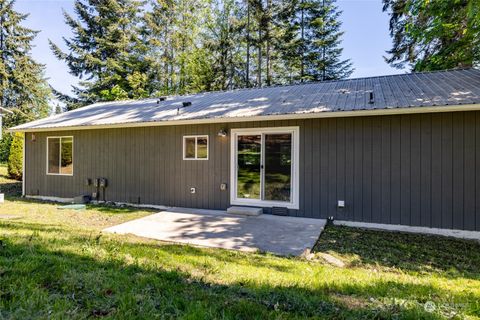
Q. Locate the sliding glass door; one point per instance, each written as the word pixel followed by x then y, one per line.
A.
pixel 264 166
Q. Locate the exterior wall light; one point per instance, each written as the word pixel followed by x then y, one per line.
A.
pixel 222 133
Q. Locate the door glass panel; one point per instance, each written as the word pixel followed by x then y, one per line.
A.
pixel 248 164
pixel 278 167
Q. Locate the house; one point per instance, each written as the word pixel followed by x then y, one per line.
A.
pixel 390 150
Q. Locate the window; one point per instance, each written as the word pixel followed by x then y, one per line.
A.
pixel 60 155
pixel 195 148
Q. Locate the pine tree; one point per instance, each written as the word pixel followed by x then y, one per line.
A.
pixel 320 48
pixel 258 38
pixel 192 17
pixel 58 109
pixel 248 43
pixel 23 88
pixel 433 35
pixel 173 30
pixel 158 27
pixel 295 41
pixel 187 46
pixel 286 42
pixel 223 42
pixel 106 52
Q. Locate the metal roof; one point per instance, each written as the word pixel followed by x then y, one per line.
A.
pixel 404 92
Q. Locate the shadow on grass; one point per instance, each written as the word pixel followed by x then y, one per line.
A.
pixel 39 278
pixel 104 208
pixel 405 251
pixel 29 227
pixel 230 256
pixel 112 209
pixel 11 189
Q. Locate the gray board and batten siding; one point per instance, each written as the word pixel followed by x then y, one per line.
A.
pixel 413 169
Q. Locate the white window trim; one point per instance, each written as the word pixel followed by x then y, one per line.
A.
pixel 196 139
pixel 60 157
pixel 295 193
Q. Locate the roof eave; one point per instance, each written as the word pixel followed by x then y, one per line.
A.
pixel 4 110
pixel 292 116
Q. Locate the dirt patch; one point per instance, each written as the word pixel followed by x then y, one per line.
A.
pixel 351 302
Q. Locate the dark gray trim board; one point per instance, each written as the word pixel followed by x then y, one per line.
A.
pixel 416 170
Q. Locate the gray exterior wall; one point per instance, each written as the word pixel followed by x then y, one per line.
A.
pixel 418 170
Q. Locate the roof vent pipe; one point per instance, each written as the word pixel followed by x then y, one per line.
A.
pixel 372 99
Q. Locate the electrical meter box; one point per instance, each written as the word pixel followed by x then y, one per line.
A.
pixel 103 182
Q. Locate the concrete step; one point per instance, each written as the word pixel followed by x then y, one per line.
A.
pixel 245 211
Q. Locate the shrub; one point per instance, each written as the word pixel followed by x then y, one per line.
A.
pixel 15 159
pixel 5 143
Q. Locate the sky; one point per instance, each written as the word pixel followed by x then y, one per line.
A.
pixel 365 40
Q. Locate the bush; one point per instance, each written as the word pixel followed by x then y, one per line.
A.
pixel 15 159
pixel 5 144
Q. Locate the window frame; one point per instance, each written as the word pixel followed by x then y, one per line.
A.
pixel 60 157
pixel 184 139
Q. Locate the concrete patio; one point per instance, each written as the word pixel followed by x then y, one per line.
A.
pixel 212 228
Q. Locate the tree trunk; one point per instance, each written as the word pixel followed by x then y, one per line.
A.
pixel 165 85
pixel 267 37
pixel 247 71
pixel 324 65
pixel 302 43
pixel 259 44
pixel 259 67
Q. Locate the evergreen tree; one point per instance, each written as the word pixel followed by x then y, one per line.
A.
pixel 284 36
pixel 259 37
pixel 58 109
pixel 320 48
pixel 433 35
pixel 473 12
pixel 174 35
pixel 158 27
pixel 223 41
pixel 187 46
pixel 23 88
pixel 106 52
pixel 295 41
pixel 248 43
pixel 5 144
pixel 15 158
pixel 258 24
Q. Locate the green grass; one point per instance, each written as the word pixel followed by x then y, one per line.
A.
pixel 57 264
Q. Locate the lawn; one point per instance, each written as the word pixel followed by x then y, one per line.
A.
pixel 58 264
